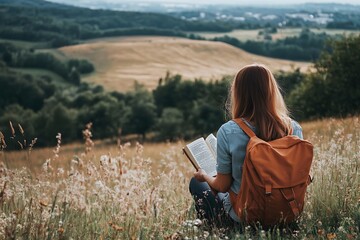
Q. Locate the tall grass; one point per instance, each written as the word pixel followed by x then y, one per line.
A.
pixel 141 192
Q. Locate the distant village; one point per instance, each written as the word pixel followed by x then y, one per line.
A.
pixel 329 15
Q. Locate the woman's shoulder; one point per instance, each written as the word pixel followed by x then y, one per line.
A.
pixel 296 129
pixel 295 125
pixel 231 127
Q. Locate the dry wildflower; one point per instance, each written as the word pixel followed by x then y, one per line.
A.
pixel 58 145
pixel 331 236
pixel 2 193
pixel 1 135
pixel 2 141
pixel 321 232
pixel 350 236
pixel 87 137
pixel 20 144
pixel 174 236
pixel 120 167
pixel 33 142
pixel 116 227
pixel 139 148
pixel 197 222
pixel 43 203
pixel 47 165
pixel 12 129
pixel 21 129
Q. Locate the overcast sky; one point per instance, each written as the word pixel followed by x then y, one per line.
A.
pixel 251 1
pixel 243 2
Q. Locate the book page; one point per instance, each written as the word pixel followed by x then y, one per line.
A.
pixel 211 140
pixel 203 155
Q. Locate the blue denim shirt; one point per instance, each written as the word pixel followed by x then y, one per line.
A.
pixel 231 149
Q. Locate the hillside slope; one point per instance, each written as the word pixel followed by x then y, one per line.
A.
pixel 119 62
pixel 62 25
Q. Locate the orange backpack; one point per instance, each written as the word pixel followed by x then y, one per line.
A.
pixel 274 179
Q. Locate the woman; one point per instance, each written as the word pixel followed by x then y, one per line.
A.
pixel 256 98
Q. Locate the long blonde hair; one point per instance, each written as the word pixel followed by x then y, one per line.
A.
pixel 255 96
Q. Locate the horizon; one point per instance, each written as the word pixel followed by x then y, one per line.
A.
pixel 218 2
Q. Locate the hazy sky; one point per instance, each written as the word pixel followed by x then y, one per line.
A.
pixel 252 1
pixel 243 2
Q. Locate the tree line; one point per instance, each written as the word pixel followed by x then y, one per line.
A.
pixel 305 47
pixel 61 25
pixel 55 25
pixel 69 70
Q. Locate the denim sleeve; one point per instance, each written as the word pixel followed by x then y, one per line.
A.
pixel 223 153
pixel 297 130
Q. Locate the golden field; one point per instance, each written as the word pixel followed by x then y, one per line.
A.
pixel 121 61
pixel 253 34
pixel 133 191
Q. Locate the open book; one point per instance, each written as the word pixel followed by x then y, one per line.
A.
pixel 202 154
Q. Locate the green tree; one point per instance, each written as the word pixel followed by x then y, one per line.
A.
pixel 170 124
pixel 334 89
pixel 59 120
pixel 340 70
pixel 143 111
pixel 288 81
pixel 7 58
pixel 25 90
pixel 310 98
pixel 205 117
pixel 74 76
pixel 164 94
pixel 107 115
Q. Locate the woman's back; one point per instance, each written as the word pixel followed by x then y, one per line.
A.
pixel 254 96
pixel 231 150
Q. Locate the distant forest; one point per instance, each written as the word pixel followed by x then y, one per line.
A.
pixel 60 25
pixel 55 25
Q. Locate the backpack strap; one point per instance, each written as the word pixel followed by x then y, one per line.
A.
pixel 289 195
pixel 244 127
pixel 248 131
pixel 291 131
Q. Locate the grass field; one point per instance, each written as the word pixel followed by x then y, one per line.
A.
pixel 119 62
pixel 244 35
pixel 133 191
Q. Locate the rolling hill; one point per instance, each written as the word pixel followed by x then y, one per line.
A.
pixel 119 62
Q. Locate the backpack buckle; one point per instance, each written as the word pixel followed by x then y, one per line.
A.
pixel 268 189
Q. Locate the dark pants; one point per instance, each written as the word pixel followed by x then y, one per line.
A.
pixel 209 206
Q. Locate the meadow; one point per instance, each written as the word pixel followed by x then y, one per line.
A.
pixel 253 34
pixel 120 61
pixel 125 190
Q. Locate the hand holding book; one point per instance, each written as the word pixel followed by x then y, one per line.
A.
pixel 202 154
pixel 200 175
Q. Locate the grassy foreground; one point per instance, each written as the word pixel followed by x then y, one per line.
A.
pixel 141 192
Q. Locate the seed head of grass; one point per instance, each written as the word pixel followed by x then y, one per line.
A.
pixel 12 129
